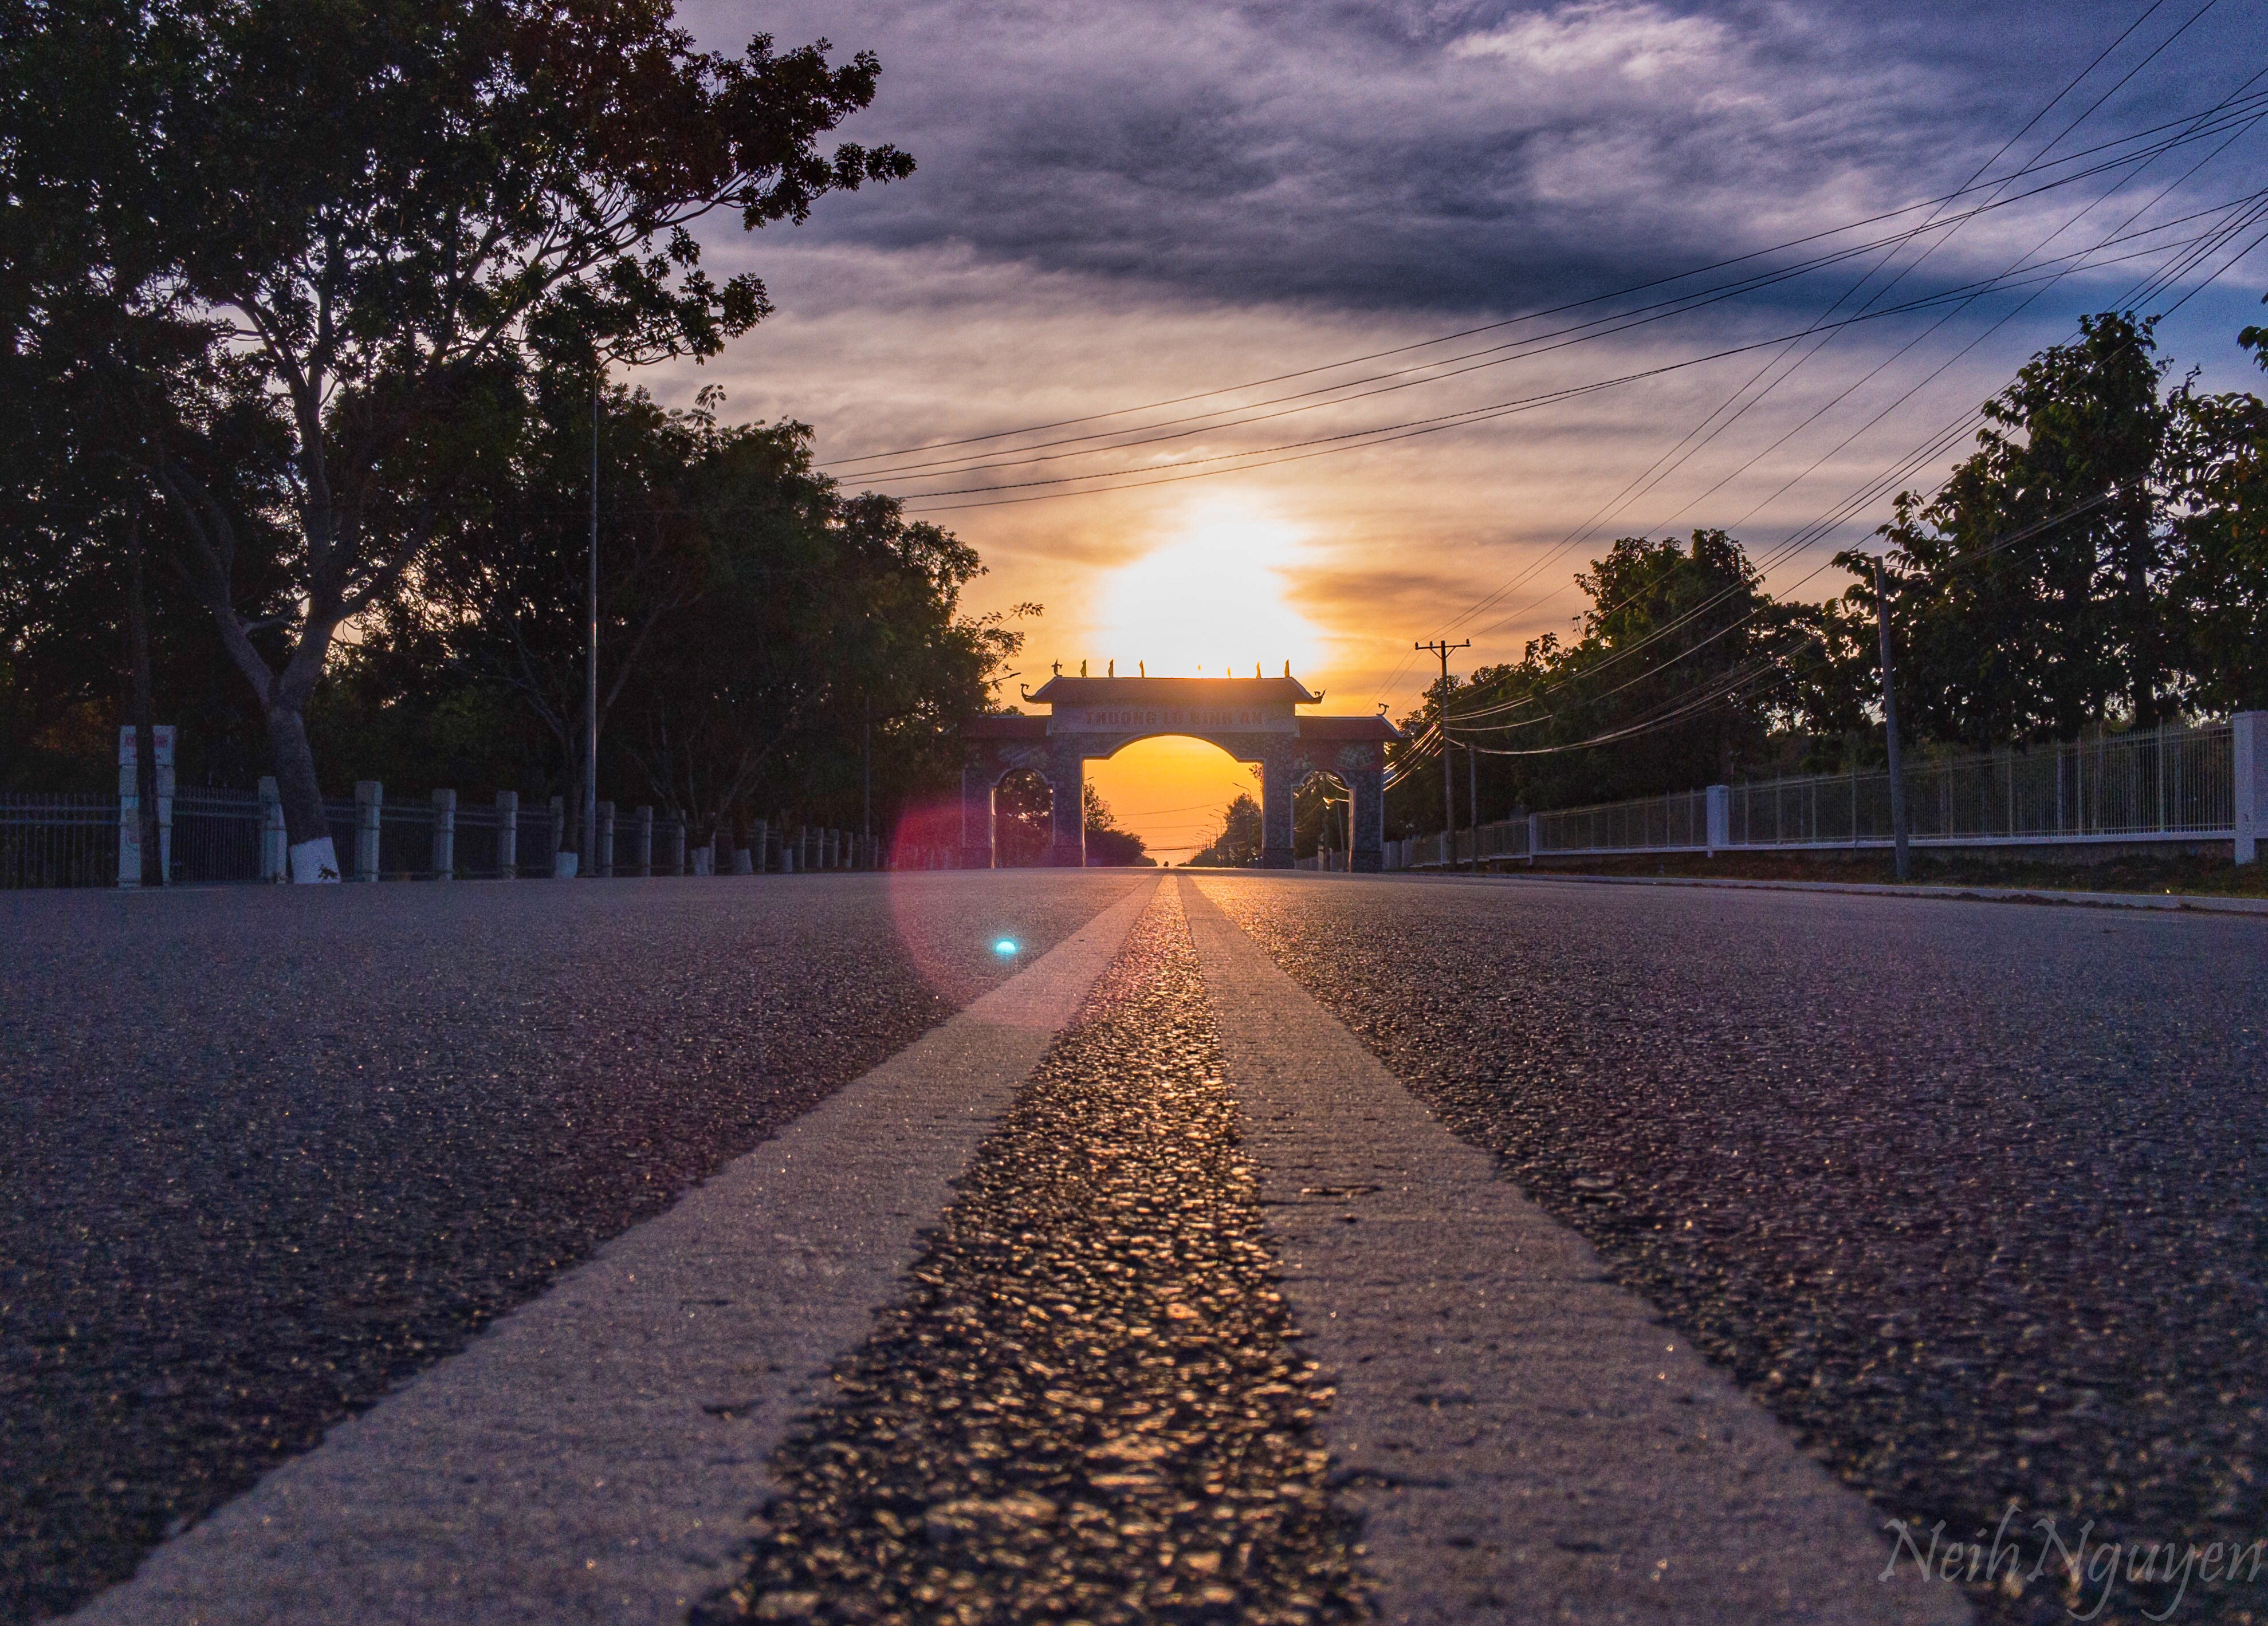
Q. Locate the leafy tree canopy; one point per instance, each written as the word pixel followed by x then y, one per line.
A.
pixel 348 218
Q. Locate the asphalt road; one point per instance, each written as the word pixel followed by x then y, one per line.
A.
pixel 265 1153
pixel 1970 1195
pixel 1974 1195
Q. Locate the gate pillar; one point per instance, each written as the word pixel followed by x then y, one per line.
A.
pixel 978 774
pixel 1279 776
pixel 1066 777
pixel 1367 817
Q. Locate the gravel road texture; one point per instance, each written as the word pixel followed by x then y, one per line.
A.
pixel 268 1152
pixel 1089 1405
pixel 1973 1195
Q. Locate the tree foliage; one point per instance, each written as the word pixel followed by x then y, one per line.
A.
pixel 356 215
pixel 1680 671
pixel 1108 846
pixel 1238 846
pixel 2027 595
pixel 761 636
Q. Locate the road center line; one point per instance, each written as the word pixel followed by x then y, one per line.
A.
pixel 1523 1438
pixel 595 1454
pixel 1088 1405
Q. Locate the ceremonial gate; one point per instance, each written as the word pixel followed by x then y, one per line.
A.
pixel 1253 720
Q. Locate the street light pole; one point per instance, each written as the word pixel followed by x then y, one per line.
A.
pixel 591 673
pixel 1905 858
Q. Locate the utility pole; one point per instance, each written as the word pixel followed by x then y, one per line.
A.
pixel 1441 648
pixel 590 676
pixel 1891 726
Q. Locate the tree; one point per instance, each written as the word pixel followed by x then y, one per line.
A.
pixel 760 634
pixel 1238 846
pixel 1107 845
pixel 2025 596
pixel 2217 586
pixel 383 204
pixel 1023 812
pixel 1680 670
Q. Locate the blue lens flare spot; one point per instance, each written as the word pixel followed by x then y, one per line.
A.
pixel 1004 946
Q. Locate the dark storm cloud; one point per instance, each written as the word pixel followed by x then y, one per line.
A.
pixel 1452 155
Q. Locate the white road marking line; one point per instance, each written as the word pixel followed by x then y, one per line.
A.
pixel 1524 1439
pixel 593 1456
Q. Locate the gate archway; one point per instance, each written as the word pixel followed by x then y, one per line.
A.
pixel 1253 720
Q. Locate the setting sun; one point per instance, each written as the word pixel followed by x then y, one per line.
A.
pixel 1210 598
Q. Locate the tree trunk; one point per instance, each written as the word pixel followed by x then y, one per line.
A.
pixel 308 832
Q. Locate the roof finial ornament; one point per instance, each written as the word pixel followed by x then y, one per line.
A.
pixel 1082 668
pixel 1114 668
pixel 1255 668
pixel 1058 668
pixel 1287 668
pixel 1141 669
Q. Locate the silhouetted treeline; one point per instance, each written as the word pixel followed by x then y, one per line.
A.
pixel 301 306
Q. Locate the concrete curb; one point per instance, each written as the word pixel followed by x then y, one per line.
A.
pixel 2178 900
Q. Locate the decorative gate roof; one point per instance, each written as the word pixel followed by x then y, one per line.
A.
pixel 1199 706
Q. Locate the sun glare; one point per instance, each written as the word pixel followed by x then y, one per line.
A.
pixel 1211 601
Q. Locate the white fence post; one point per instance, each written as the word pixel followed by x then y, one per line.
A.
pixel 444 835
pixel 275 864
pixel 642 843
pixel 507 835
pixel 1720 818
pixel 677 845
pixel 2249 729
pixel 370 802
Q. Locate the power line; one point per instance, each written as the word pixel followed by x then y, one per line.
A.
pixel 2230 99
pixel 1219 419
pixel 2244 222
pixel 1937 202
pixel 1385 434
pixel 1805 536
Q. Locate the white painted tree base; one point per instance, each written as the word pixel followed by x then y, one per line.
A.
pixel 315 862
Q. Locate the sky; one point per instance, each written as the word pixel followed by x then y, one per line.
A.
pixel 1226 252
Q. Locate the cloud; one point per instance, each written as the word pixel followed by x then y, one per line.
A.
pixel 1121 202
pixel 1398 157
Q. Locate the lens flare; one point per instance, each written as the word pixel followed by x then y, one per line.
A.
pixel 1004 946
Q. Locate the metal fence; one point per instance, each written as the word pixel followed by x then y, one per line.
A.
pixel 216 837
pixel 1678 822
pixel 2160 784
pixel 58 841
pixel 220 837
pixel 2174 784
pixel 537 854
